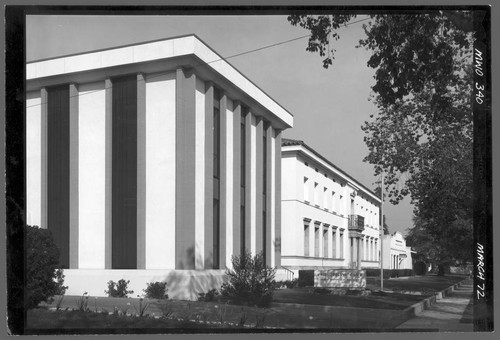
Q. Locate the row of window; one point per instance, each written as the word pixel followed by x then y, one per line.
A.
pixel 329 200
pixel 329 244
pixel 322 198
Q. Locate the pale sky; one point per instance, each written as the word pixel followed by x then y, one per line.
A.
pixel 329 105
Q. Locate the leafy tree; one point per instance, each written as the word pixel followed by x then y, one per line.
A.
pixel 43 278
pixel 430 243
pixel 386 227
pixel 421 137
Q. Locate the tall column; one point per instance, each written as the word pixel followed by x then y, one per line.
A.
pixel 73 177
pixel 268 244
pixel 258 185
pixel 225 180
pixel 277 198
pixel 108 86
pixel 185 169
pixel 249 181
pixel 44 160
pixel 236 177
pixel 209 175
pixel 141 171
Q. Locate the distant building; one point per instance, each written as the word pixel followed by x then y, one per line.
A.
pixel 329 220
pixel 396 254
pixel 152 162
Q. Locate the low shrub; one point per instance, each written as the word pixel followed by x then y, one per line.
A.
pixel 82 302
pixel 372 272
pixel 209 296
pixel 156 290
pixel 322 291
pixel 306 278
pixel 43 278
pixel 250 282
pixel 287 283
pixel 389 273
pixel 119 289
pixel 420 268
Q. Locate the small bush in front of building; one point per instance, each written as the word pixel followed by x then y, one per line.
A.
pixel 306 278
pixel 250 282
pixel 209 296
pixel 287 283
pixel 43 279
pixel 372 272
pixel 118 289
pixel 156 290
pixel 420 268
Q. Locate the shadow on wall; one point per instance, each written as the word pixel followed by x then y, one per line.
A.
pixel 187 284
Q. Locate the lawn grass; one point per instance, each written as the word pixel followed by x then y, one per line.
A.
pixel 292 309
pixel 375 301
pixel 426 284
pixel 44 321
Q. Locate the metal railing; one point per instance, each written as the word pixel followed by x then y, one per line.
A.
pixel 356 222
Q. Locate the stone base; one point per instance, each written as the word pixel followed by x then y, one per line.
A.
pixel 340 278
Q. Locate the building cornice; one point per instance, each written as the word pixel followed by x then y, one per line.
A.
pixel 303 149
pixel 154 56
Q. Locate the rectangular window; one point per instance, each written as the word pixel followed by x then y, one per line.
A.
pixel 325 199
pixel 306 240
pixel 124 173
pixel 316 194
pixel 325 242
pixel 341 245
pixel 58 164
pixel 306 189
pixel 334 243
pixel 334 208
pixel 316 241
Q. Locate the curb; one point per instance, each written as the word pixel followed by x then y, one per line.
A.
pixel 419 307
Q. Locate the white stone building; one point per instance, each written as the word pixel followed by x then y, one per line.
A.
pixel 329 220
pixel 152 162
pixel 396 254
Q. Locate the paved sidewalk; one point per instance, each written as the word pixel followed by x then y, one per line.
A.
pixel 451 313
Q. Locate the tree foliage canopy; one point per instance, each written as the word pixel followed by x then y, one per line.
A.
pixel 421 136
pixel 43 278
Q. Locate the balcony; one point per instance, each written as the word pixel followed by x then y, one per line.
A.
pixel 356 223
